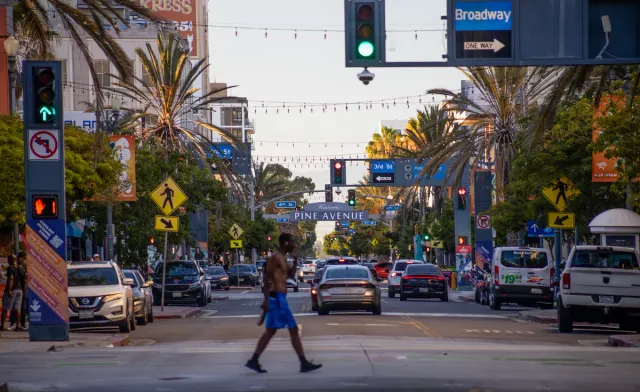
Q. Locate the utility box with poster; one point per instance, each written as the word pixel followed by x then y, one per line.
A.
pixel 45 231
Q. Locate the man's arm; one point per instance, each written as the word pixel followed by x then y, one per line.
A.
pixel 270 266
pixel 10 278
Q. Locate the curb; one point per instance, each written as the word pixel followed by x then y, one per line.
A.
pixel 220 298
pixel 242 287
pixel 467 299
pixel 623 341
pixel 187 314
pixel 537 319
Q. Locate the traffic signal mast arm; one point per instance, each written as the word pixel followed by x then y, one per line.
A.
pixel 259 206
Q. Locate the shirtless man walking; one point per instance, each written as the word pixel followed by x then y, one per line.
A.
pixel 275 306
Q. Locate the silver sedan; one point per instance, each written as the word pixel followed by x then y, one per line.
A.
pixel 348 287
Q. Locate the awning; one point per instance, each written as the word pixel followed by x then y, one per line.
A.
pixel 74 230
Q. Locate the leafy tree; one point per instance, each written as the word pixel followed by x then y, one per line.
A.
pixel 83 180
pixel 383 144
pixel 443 227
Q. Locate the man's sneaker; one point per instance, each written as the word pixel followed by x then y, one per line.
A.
pixel 22 328
pixel 309 366
pixel 12 327
pixel 255 366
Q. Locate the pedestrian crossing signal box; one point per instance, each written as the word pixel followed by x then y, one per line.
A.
pixel 45 207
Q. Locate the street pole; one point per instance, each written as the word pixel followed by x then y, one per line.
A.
pixel 11 47
pixel 110 232
pixel 252 209
pixel 237 268
pixel 391 242
pixel 557 255
pixel 164 270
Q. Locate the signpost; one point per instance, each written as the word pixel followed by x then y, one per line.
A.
pixel 483 222
pixel 393 208
pixel 168 197
pixel 483 29
pixel 235 231
pixel 285 204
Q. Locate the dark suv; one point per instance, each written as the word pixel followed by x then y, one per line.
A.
pixel 185 283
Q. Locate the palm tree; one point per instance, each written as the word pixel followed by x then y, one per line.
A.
pixel 492 121
pixel 270 181
pixel 383 144
pixel 32 24
pixel 169 97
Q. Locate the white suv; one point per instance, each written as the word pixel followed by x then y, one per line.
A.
pixel 395 275
pixel 100 296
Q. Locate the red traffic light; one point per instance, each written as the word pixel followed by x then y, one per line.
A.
pixel 152 241
pixel 45 76
pixel 365 11
pixel 462 191
pixel 269 238
pixel 338 165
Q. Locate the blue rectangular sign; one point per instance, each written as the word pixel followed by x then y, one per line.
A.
pixel 285 204
pixel 439 175
pixel 369 223
pixel 222 151
pixel 483 16
pixel 382 166
pixel 282 220
pixel 533 230
pixel 344 224
pixel 392 208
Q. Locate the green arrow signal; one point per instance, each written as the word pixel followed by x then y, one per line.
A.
pixel 47 111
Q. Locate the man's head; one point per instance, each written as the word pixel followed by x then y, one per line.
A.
pixel 11 259
pixel 22 258
pixel 287 242
pixel 96 257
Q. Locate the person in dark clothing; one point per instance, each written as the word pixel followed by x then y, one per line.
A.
pixel 12 297
pixel 24 309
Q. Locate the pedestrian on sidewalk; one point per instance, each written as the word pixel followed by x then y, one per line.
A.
pixel 24 309
pixel 12 296
pixel 278 313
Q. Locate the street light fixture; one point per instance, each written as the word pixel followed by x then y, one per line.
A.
pixel 116 104
pixel 11 46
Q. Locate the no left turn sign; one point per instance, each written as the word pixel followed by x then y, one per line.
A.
pixel 484 221
pixel 44 145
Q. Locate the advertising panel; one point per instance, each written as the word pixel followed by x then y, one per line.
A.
pixel 183 14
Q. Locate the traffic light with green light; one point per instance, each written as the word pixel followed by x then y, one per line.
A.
pixel 364 32
pixel 42 95
pixel 427 237
pixel 351 197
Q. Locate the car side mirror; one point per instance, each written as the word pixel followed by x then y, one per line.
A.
pixel 128 282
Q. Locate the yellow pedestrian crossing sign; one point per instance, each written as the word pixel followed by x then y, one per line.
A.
pixel 235 231
pixel 168 196
pixel 236 244
pixel 560 192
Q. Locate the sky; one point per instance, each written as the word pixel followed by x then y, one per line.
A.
pixel 285 69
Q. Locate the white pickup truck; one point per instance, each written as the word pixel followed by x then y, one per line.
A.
pixel 600 285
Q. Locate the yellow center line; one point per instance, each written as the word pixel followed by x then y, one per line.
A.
pixel 421 327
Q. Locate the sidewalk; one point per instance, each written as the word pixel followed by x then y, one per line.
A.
pixel 175 312
pixel 546 316
pixel 624 340
pixel 11 341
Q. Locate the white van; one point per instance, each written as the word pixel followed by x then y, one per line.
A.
pixel 523 276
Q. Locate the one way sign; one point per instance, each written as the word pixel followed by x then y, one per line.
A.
pixel 383 178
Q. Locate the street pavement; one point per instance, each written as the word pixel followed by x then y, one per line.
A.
pixel 350 364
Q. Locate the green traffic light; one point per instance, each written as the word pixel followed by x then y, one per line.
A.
pixel 365 49
pixel 47 113
pixel 427 237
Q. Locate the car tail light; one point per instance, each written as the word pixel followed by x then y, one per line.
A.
pixel 406 277
pixel 394 274
pixel 325 286
pixel 368 286
pixel 496 278
pixel 566 281
pixel 552 275
pixel 313 291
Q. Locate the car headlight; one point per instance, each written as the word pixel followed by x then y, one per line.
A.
pixel 195 286
pixel 224 278
pixel 112 297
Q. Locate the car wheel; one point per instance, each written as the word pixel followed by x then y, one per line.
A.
pixel 391 294
pixel 125 325
pixel 402 296
pixel 565 321
pixel 144 319
pixel 227 288
pixel 494 303
pixel 202 302
pixel 445 297
pixel 322 311
pixel 377 310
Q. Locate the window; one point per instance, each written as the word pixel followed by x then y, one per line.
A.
pixel 236 116
pixel 604 258
pixel 523 259
pixel 418 269
pixel 178 269
pixel 65 75
pixel 132 275
pixel 102 72
pixel 347 273
pixel 146 79
pixel 92 277
pixel 216 271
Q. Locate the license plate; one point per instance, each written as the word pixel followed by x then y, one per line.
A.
pixel 424 290
pixel 85 314
pixel 606 299
pixel 536 291
pixel 345 291
pixel 177 295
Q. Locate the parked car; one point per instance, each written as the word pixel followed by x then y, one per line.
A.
pixel 184 283
pixel 600 285
pixel 100 296
pixel 395 275
pixel 521 275
pixel 243 274
pixel 423 281
pixel 142 297
pixel 217 278
pixel 348 287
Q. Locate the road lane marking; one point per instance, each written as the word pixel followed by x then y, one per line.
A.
pixel 497 331
pixel 420 327
pixel 401 357
pixel 389 314
pixel 362 325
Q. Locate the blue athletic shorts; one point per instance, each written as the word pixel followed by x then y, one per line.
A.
pixel 279 315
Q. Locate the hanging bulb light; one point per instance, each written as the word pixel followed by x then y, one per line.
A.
pixel 416 34
pixel 236 31
pixel 295 36
pixel 265 33
pixel 325 34
pixel 346 107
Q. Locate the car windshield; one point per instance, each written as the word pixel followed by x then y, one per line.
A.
pixel 347 273
pixel 419 269
pixel 132 275
pixel 401 265
pixel 604 258
pixel 216 271
pixel 307 262
pixel 524 259
pixel 178 269
pixel 241 268
pixel 92 277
